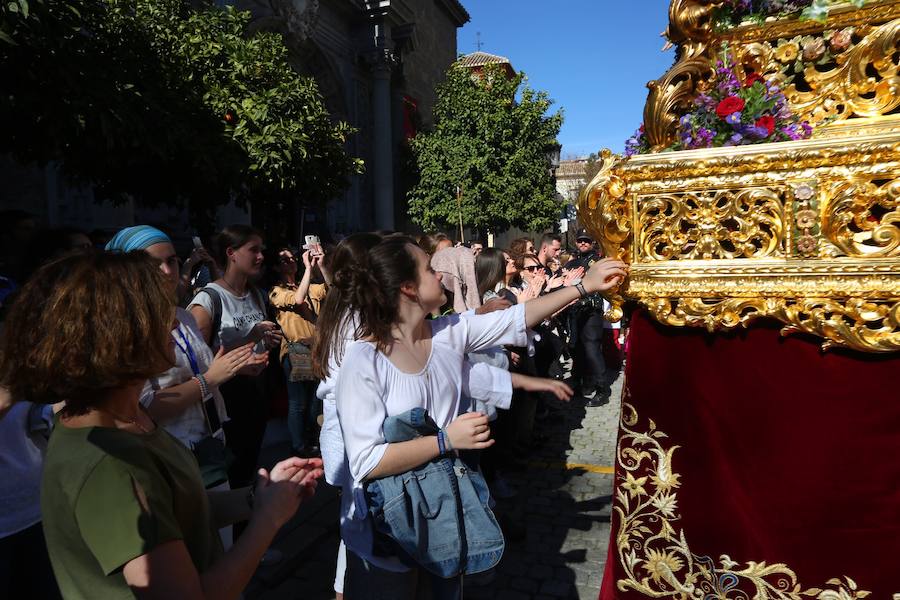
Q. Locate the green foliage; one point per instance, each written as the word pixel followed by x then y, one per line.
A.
pixel 492 146
pixel 152 100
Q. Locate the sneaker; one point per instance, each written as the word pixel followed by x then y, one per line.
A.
pixel 594 398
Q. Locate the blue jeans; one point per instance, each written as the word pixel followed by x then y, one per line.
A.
pixel 303 408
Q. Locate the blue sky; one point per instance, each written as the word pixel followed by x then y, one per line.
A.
pixel 594 57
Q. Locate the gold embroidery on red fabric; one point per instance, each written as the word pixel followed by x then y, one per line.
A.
pixel 654 554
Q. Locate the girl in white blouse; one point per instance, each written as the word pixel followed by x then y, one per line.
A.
pixel 403 361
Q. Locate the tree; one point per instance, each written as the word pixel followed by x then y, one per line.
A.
pixel 157 101
pixel 492 146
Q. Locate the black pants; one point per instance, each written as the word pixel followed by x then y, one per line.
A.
pixel 248 410
pixel 25 570
pixel 590 368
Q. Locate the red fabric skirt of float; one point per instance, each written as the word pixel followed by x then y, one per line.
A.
pixel 752 463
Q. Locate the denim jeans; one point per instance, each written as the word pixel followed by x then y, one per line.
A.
pixel 303 408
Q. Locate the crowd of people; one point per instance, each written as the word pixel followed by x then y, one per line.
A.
pixel 136 388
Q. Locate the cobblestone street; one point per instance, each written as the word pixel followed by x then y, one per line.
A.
pixel 562 500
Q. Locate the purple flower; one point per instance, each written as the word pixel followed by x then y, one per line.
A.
pixel 736 139
pixel 757 132
pixel 734 118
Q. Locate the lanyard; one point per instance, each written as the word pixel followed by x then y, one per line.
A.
pixel 188 351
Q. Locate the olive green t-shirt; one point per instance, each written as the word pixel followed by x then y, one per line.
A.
pixel 108 496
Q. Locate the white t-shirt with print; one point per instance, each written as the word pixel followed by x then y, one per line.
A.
pixel 239 315
pixel 190 426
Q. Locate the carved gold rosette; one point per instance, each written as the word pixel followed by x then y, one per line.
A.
pixel 807 232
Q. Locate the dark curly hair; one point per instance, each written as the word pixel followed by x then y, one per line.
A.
pixel 86 324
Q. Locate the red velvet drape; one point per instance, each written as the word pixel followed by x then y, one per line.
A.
pixel 785 455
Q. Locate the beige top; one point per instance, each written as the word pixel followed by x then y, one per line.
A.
pixel 294 326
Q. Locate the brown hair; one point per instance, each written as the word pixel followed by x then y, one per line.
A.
pixel 86 324
pixel 520 261
pixel 334 310
pixel 369 289
pixel 429 241
pixel 518 247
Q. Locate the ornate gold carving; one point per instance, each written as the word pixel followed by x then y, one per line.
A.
pixel 604 211
pixel 874 12
pixel 670 96
pixel 715 237
pixel 691 25
pixel 712 224
pixel 862 218
pixel 851 89
pixel 654 554
pixel 857 323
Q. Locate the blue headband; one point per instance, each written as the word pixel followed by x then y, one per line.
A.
pixel 139 237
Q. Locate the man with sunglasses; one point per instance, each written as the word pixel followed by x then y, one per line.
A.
pixel 585 320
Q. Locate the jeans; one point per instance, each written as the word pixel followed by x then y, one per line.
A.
pixel 303 408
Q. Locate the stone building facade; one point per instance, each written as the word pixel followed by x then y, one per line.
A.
pixel 377 63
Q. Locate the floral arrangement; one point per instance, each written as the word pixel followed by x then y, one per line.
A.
pixel 735 12
pixel 732 113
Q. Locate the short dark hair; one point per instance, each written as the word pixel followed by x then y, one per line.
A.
pixel 85 324
pixel 548 238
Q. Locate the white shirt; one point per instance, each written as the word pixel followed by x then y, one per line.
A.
pixel 239 315
pixel 370 388
pixel 190 426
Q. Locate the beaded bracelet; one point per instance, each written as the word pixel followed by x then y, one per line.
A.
pixel 204 387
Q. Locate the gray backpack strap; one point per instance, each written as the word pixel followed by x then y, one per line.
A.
pixel 216 298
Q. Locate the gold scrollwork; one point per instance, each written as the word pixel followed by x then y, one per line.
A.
pixel 655 556
pixel 729 224
pixel 669 98
pixel 604 210
pixel 865 85
pixel 691 25
pixel 869 325
pixel 862 218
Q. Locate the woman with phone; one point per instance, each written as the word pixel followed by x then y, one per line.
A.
pixel 297 306
pixel 230 313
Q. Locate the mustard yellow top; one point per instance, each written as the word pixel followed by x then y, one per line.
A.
pixel 294 326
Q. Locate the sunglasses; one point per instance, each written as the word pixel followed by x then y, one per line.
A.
pixel 532 268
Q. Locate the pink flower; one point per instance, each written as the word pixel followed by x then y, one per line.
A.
pixel 813 50
pixel 841 40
